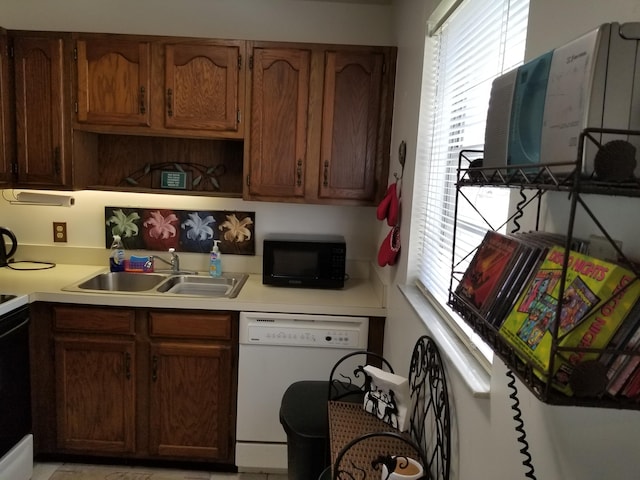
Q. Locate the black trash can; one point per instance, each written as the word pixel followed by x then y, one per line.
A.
pixel 303 414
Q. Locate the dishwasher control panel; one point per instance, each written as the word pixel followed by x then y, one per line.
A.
pixel 304 330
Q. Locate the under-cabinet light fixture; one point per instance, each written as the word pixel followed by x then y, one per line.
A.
pixel 50 199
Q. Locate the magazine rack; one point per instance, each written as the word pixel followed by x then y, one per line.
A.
pixel 541 179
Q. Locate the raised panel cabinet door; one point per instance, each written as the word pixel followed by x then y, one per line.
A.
pixel 113 81
pixel 190 401
pixel 279 120
pixel 40 104
pixel 95 394
pixel 202 87
pixel 6 120
pixel 350 124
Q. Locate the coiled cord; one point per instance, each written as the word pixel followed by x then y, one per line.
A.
pixel 519 213
pixel 522 438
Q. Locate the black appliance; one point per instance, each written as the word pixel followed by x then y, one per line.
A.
pixel 15 392
pixel 5 254
pixel 298 260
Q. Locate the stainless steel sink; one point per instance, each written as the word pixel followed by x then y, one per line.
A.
pixel 122 282
pixel 225 286
pixel 228 285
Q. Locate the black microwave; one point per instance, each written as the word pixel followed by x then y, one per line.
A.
pixel 308 261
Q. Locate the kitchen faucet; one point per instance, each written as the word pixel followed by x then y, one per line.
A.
pixel 174 263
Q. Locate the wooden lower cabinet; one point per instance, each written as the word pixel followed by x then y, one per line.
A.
pixel 95 394
pixel 134 383
pixel 189 411
pixel 191 394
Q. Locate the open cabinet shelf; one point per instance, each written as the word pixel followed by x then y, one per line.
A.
pixel 540 179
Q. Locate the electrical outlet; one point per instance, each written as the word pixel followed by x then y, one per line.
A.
pixel 59 231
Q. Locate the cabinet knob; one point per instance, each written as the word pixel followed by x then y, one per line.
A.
pixel 56 160
pixel 299 172
pixel 143 108
pixel 169 102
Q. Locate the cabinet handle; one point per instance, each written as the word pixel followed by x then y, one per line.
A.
pixel 127 365
pixel 154 368
pixel 299 172
pixel 169 102
pixel 326 173
pixel 143 108
pixel 56 160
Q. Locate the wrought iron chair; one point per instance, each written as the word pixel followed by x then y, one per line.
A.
pixel 360 443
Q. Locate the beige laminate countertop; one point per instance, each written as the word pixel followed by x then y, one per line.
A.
pixel 358 297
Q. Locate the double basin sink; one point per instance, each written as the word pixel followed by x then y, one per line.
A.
pixel 165 284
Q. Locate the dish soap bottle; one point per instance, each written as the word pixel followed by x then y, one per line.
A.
pixel 215 261
pixel 116 258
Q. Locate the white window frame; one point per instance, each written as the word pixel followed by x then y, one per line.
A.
pixel 435 187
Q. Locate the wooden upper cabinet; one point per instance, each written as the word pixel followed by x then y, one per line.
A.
pixel 277 154
pixel 350 124
pixel 113 81
pixel 320 125
pixel 7 140
pixel 163 86
pixel 42 130
pixel 202 86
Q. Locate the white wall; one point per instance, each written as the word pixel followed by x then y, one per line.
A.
pixel 285 20
pixel 567 443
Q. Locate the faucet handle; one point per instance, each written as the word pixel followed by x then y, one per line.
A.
pixel 171 250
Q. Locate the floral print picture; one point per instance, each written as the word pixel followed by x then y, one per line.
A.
pixel 160 229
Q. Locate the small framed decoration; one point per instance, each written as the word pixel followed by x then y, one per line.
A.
pixel 388 397
pixel 173 180
pixel 185 230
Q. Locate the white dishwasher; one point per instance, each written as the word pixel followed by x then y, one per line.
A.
pixel 275 351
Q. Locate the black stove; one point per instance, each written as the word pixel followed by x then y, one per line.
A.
pixel 6 298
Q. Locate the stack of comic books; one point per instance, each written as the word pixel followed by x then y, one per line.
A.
pixel 623 374
pixel 496 257
pixel 499 270
pixel 598 297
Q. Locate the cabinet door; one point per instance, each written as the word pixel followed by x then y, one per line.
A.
pixel 113 81
pixel 350 124
pixel 6 119
pixel 95 394
pixel 202 89
pixel 279 118
pixel 40 106
pixel 190 401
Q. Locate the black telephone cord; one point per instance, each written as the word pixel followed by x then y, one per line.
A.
pixel 522 437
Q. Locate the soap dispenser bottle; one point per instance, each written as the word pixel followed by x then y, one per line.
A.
pixel 215 260
pixel 116 258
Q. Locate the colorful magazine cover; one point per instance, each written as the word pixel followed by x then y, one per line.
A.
pixel 597 297
pixel 483 277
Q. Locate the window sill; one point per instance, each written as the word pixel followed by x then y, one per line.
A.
pixel 472 372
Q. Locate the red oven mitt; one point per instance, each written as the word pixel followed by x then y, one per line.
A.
pixel 389 206
pixel 388 253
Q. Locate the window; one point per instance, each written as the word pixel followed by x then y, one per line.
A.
pixel 478 41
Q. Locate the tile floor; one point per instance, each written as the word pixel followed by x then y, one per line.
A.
pixel 43 471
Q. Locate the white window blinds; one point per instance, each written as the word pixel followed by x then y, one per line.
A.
pixel 479 40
